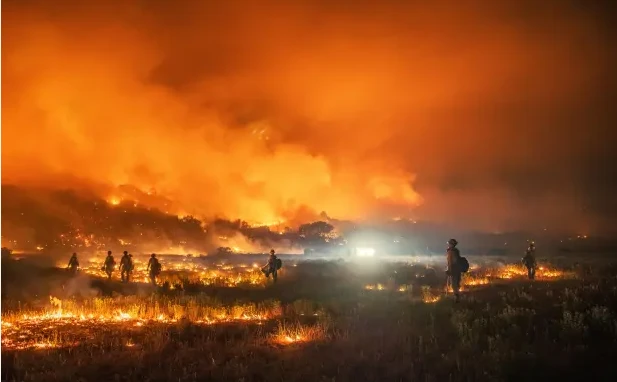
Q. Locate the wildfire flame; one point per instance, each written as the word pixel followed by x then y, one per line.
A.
pixel 297 333
pixel 22 330
pixel 511 271
pixel 178 269
pixel 429 296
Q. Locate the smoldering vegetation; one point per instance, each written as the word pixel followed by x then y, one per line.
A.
pixel 323 320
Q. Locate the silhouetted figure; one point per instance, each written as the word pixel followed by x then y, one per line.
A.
pixel 453 256
pixel 154 268
pixel 125 267
pixel 6 253
pixel 73 264
pixel 272 267
pixel 529 260
pixel 109 265
pixel 131 266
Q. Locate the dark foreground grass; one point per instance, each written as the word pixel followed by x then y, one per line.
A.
pixel 511 331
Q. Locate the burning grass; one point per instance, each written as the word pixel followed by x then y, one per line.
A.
pixel 470 279
pixel 374 287
pixel 324 327
pixel 480 276
pixel 518 271
pixel 181 269
pixel 296 333
pixel 429 296
pixel 22 329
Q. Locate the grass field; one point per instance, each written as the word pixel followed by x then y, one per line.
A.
pixel 323 321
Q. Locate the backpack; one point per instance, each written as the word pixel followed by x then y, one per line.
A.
pixel 463 264
pixel 278 264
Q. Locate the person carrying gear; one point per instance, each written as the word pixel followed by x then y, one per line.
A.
pixel 453 256
pixel 529 261
pixel 109 265
pixel 272 267
pixel 125 267
pixel 73 264
pixel 154 268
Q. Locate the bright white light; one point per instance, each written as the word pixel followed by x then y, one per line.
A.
pixel 365 252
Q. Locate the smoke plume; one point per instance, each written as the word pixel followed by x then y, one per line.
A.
pixel 284 110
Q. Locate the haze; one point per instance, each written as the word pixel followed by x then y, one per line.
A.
pixel 486 116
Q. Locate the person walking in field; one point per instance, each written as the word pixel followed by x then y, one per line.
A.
pixel 272 267
pixel 125 265
pixel 131 266
pixel 73 264
pixel 153 269
pixel 529 261
pixel 454 272
pixel 109 265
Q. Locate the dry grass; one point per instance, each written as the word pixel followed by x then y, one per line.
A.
pixel 316 327
pixel 287 334
pixel 23 329
pixel 429 296
pixel 178 270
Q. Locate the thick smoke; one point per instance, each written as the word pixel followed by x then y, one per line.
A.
pixel 279 111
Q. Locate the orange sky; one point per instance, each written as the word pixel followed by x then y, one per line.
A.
pixel 477 113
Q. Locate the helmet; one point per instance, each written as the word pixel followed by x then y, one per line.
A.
pixel 452 242
pixel 109 252
pixel 272 251
pixel 125 252
pixel 153 255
